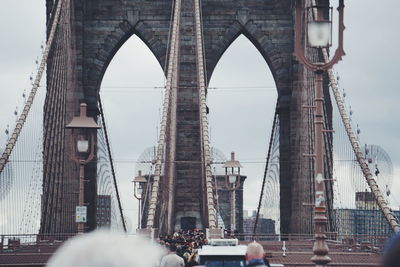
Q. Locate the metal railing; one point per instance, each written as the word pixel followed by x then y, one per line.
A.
pixel 344 243
pixel 31 243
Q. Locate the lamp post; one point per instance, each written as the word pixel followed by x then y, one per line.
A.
pixel 138 185
pixel 232 183
pixel 318 35
pixel 82 151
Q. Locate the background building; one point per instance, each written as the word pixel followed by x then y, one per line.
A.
pixel 103 212
pixel 264 226
pixel 365 223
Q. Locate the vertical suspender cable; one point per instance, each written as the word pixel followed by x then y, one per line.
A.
pixel 22 118
pixel 381 201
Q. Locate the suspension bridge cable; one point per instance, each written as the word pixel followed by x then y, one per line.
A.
pixel 159 87
pixel 172 69
pixel 391 219
pixel 212 219
pixel 171 144
pixel 266 168
pixel 328 138
pixel 146 195
pixel 22 118
pixel 129 161
pixel 53 102
pixel 111 163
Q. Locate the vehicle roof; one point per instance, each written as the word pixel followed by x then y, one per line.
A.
pixel 207 250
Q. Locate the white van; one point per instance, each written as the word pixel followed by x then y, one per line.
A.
pixel 224 253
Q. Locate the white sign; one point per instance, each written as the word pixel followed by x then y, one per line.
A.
pixel 81 214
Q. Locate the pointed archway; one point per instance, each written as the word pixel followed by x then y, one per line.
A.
pixel 131 92
pixel 242 96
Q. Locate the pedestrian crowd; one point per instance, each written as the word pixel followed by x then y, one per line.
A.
pixel 183 244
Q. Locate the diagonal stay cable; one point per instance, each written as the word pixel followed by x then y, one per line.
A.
pixel 111 164
pixel 24 114
pixel 271 139
pixel 381 201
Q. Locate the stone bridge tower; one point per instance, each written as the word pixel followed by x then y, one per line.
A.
pixel 98 28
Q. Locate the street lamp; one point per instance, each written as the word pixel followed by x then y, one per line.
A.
pixel 138 185
pixel 232 183
pixel 82 151
pixel 319 35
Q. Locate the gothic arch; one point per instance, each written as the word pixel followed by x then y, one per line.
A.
pixel 278 55
pixel 111 44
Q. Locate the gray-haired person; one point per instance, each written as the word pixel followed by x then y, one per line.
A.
pixel 255 255
pixel 106 249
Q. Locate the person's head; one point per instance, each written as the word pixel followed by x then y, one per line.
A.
pixel 101 249
pixel 254 251
pixel 391 254
pixel 172 248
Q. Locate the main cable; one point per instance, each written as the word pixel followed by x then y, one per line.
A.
pixel 205 139
pixel 172 68
pixel 24 114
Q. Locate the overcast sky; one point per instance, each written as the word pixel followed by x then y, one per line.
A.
pixel 369 73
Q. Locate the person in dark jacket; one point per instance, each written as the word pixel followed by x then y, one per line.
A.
pixel 391 253
pixel 255 255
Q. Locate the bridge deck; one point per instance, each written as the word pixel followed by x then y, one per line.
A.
pixel 298 254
